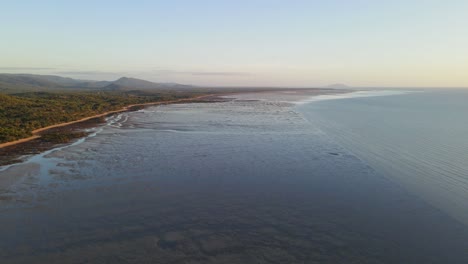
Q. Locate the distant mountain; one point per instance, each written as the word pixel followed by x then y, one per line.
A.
pixel 338 86
pixel 126 83
pixel 135 83
pixel 22 82
pixel 63 81
pixel 11 83
pixel 93 84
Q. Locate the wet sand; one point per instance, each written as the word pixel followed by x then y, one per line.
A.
pixel 12 175
pixel 244 181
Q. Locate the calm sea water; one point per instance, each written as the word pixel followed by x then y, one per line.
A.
pixel 418 139
pixel 246 182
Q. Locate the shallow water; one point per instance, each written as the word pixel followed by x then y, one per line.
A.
pixel 234 182
pixel 418 139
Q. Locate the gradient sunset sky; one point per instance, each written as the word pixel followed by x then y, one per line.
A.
pixel 269 43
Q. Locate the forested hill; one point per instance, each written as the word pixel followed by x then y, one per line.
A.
pixel 15 83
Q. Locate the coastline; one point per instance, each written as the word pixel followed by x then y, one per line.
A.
pixel 14 152
pixel 36 135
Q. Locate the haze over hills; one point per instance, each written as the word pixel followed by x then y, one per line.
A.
pixel 126 83
pixel 11 83
pixel 22 82
pixel 338 86
pixel 18 83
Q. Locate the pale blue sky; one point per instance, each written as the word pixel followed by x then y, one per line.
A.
pixel 255 42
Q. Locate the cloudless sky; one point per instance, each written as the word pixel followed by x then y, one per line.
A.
pixel 242 42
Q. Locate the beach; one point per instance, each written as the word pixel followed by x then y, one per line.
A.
pixel 36 132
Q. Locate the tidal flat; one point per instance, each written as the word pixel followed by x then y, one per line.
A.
pixel 249 180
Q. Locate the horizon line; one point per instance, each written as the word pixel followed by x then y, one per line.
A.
pixel 261 86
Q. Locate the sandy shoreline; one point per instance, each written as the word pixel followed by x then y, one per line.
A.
pixel 126 108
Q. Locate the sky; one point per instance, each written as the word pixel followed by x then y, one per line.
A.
pixel 296 43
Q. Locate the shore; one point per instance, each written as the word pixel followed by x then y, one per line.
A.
pixel 290 97
pixel 16 151
pixel 36 133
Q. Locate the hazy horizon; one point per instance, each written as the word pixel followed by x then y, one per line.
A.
pixel 333 85
pixel 242 43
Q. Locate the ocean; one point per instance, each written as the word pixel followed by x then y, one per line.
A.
pixel 416 138
pixel 367 177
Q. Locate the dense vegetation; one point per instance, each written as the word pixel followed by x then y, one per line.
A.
pixel 20 114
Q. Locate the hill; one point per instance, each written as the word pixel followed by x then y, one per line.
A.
pixel 126 83
pixel 17 83
pixel 25 82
